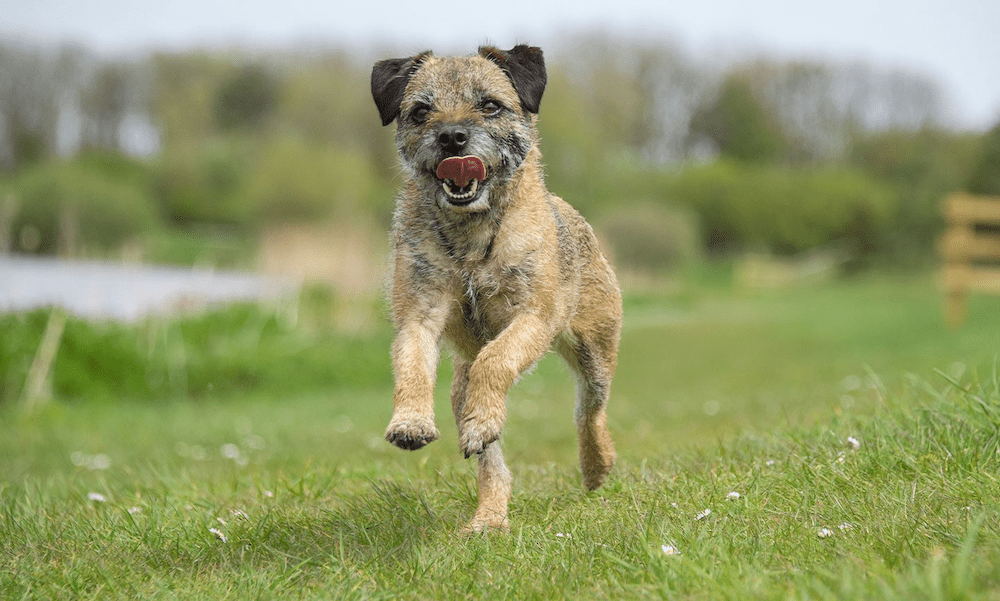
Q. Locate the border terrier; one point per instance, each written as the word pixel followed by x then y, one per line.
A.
pixel 486 258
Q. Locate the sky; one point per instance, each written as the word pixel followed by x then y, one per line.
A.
pixel 953 42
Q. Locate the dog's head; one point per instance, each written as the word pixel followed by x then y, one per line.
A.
pixel 465 124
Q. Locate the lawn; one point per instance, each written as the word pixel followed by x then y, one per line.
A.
pixel 835 441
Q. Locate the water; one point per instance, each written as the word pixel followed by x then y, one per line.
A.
pixel 125 292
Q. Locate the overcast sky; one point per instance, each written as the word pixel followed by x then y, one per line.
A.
pixel 954 42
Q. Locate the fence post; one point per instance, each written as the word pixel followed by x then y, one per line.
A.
pixel 971 257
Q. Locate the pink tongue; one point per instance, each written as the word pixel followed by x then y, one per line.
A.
pixel 462 169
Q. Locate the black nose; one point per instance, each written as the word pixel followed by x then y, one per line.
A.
pixel 452 138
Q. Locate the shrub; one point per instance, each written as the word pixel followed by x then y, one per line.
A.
pixel 294 181
pixel 784 210
pixel 985 177
pixel 69 205
pixel 652 239
pixel 202 185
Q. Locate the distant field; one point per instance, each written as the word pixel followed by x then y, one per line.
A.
pixel 862 436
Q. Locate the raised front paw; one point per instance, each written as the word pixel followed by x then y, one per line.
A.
pixel 411 432
pixel 477 431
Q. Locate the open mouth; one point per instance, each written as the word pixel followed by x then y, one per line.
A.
pixel 460 193
pixel 461 177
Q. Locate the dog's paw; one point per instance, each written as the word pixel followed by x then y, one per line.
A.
pixel 485 523
pixel 411 433
pixel 476 433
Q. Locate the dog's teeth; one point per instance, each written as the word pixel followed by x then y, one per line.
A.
pixel 447 184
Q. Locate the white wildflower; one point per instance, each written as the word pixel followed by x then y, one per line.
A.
pixel 134 510
pixel 561 535
pixel 854 443
pixel 840 457
pixel 670 550
pixel 230 451
pixel 269 494
pixel 99 461
pixel 846 526
pixel 851 383
pixel 96 497
pixel 733 496
pixel 769 463
pixel 825 532
pixel 703 514
pixel 218 534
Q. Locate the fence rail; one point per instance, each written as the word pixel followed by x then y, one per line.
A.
pixel 970 250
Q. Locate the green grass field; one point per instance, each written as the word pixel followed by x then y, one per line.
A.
pixel 862 438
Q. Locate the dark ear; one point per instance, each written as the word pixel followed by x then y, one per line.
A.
pixel 389 79
pixel 525 67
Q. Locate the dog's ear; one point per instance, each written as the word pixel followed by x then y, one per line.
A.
pixel 525 67
pixel 389 79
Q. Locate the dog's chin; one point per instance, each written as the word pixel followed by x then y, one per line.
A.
pixel 473 198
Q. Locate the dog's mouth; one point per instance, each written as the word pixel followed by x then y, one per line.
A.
pixel 461 178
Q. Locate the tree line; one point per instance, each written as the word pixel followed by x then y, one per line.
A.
pixel 652 143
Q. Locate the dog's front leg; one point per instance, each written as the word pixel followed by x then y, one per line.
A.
pixel 491 375
pixel 415 355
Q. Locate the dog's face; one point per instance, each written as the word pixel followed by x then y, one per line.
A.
pixel 465 124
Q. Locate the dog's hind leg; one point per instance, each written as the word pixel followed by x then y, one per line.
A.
pixel 494 477
pixel 592 360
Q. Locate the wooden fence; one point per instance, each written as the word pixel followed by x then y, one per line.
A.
pixel 970 249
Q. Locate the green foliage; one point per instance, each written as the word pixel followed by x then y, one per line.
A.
pixel 784 210
pixel 653 239
pixel 294 137
pixel 985 178
pixel 922 167
pixel 236 350
pixel 202 184
pixel 740 125
pixel 186 86
pixel 247 98
pixel 64 201
pixel 297 180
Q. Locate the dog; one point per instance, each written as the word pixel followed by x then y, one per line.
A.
pixel 483 256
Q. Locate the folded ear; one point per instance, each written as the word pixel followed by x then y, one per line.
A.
pixel 525 67
pixel 389 79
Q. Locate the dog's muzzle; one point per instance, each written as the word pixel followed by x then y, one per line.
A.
pixel 460 177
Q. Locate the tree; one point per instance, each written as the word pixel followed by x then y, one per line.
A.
pixel 985 177
pixel 739 124
pixel 247 99
pixel 105 102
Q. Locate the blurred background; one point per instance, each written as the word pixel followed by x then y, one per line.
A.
pixel 716 147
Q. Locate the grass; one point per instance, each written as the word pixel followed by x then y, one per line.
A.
pixel 762 395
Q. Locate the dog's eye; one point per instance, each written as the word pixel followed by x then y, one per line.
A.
pixel 419 114
pixel 491 107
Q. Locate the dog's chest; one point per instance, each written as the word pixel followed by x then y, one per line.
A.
pixel 490 296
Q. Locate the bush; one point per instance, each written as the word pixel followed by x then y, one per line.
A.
pixel 784 210
pixel 985 177
pixel 295 181
pixel 652 239
pixel 68 205
pixel 202 185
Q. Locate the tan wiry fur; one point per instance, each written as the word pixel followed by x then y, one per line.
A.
pixel 503 278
